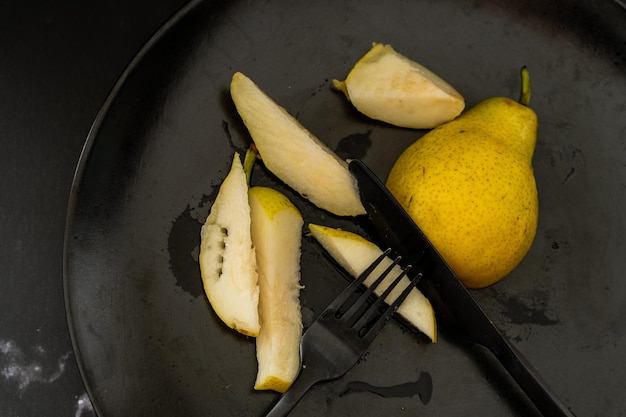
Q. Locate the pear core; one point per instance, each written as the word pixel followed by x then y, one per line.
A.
pixel 227 258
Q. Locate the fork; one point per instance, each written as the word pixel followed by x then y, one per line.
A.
pixel 343 332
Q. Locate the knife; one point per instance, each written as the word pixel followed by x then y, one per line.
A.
pixel 449 296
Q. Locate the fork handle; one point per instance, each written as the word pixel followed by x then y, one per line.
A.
pixel 304 381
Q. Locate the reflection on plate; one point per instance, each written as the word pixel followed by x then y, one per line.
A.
pixel 146 339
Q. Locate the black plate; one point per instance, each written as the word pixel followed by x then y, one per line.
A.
pixel 146 339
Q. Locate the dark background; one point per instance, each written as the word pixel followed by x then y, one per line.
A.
pixel 58 62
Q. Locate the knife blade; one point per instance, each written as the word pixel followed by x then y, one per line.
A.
pixel 449 296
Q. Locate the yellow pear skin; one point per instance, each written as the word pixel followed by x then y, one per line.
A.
pixel 469 185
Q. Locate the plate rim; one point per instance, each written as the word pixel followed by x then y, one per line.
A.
pixel 72 199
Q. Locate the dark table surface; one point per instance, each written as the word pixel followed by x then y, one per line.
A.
pixel 58 62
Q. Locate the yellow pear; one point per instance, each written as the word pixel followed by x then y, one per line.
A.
pixel 386 85
pixel 293 153
pixel 227 258
pixel 276 234
pixel 355 254
pixel 469 185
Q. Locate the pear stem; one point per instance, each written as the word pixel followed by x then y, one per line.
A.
pixel 524 97
pixel 248 161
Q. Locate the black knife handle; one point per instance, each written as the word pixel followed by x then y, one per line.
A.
pixel 481 330
pixel 528 378
pixel 471 318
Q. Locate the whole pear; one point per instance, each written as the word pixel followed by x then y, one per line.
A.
pixel 469 185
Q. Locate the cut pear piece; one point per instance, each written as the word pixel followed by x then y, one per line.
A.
pixel 277 235
pixel 227 257
pixel 293 154
pixel 355 253
pixel 385 85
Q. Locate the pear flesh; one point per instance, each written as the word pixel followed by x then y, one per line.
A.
pixel 387 86
pixel 277 234
pixel 228 259
pixel 354 253
pixel 294 154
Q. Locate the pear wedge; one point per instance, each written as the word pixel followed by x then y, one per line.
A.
pixel 387 86
pixel 277 235
pixel 228 259
pixel 355 253
pixel 293 154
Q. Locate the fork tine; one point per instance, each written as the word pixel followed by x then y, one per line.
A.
pixel 375 328
pixel 354 285
pixel 367 315
pixel 352 314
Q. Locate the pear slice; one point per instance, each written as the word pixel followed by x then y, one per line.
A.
pixel 277 234
pixel 355 253
pixel 293 154
pixel 227 258
pixel 387 86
